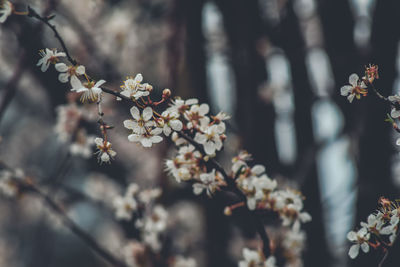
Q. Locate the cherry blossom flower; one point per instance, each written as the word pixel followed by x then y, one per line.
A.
pixel 132 87
pixel 210 138
pixel 360 239
pixel 142 127
pixel 105 153
pixel 180 106
pixel 208 183
pixel 49 56
pixel 170 122
pixel 125 205
pixel 91 90
pixel 69 71
pixel 355 89
pixel 197 115
pixel 6 9
pixel 82 145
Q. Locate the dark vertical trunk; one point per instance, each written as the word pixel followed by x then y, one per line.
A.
pixel 294 47
pixel 255 118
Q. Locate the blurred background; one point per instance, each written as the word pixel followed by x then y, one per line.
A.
pixel 276 65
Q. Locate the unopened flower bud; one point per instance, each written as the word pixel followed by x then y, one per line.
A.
pixel 228 211
pixel 166 93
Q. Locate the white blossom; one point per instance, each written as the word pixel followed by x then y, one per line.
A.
pixel 208 182
pixel 360 239
pixel 210 138
pixel 142 127
pixel 69 71
pixel 132 87
pixel 48 56
pixel 5 10
pixel 170 122
pixel 105 153
pixel 91 90
pixel 8 183
pixel 355 89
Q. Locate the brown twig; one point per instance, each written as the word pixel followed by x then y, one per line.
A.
pixel 32 13
pixel 70 224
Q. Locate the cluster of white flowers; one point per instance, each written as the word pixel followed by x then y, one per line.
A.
pixel 254 258
pixel 126 205
pixel 6 9
pixel 152 226
pixel 89 89
pixel 293 244
pixel 379 230
pixel 133 88
pixel 261 191
pixel 8 184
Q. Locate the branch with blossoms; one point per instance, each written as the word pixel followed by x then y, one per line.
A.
pixel 198 137
pixel 381 229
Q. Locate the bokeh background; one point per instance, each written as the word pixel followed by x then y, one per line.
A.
pixel 276 65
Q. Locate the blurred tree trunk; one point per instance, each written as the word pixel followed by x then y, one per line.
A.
pixel 292 42
pixel 255 118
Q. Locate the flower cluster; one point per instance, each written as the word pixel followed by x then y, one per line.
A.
pixel 380 230
pixel 89 89
pixel 254 258
pixel 261 192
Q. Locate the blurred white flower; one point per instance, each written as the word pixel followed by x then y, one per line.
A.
pixel 180 261
pixel 5 10
pixel 208 183
pixel 105 153
pixel 254 258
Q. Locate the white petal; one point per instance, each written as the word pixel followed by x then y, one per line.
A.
pixel 365 247
pixel 395 113
pixel 204 109
pixel 345 90
pixel 139 78
pixel 156 139
pixel 99 83
pixel 63 77
pixel 353 79
pixel 129 124
pixel 105 157
pixel 135 113
pixel 200 138
pixel 146 142
pixel 209 147
pixel 258 169
pixel 251 203
pixel 198 189
pixel 61 67
pixel 191 101
pixel 176 125
pixel 76 83
pixel 133 138
pixel 98 141
pixel 351 97
pixel 353 252
pixel 80 70
pixel 147 113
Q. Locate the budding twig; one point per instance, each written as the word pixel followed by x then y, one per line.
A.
pixel 33 14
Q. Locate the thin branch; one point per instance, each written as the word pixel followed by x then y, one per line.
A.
pixel 231 185
pixel 70 224
pixel 32 13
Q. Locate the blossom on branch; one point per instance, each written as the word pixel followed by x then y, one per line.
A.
pixel 90 90
pixel 255 258
pixel 133 88
pixel 49 56
pixel 105 153
pixel 69 71
pixel 355 89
